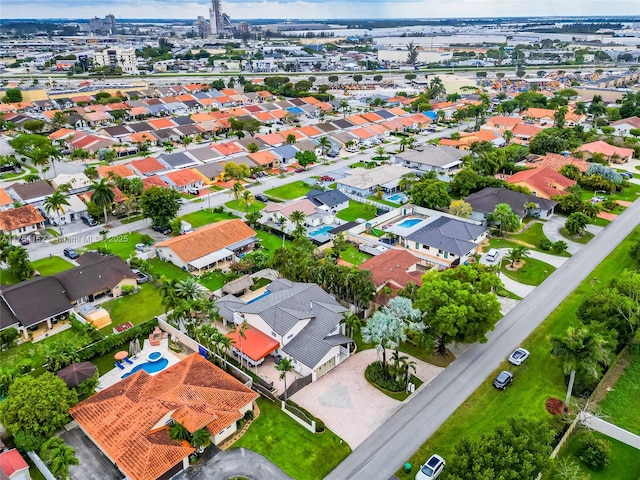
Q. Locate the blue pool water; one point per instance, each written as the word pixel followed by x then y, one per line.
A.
pixel 267 292
pixel 149 367
pixel 154 356
pixel 321 231
pixel 398 198
pixel 410 222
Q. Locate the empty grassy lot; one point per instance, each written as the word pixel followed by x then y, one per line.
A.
pixel 290 191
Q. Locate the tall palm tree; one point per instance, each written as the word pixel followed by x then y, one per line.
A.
pixel 285 366
pixel 325 144
pixel 179 432
pixel 54 203
pixel 297 218
pixel 201 439
pixel 583 350
pixel 240 329
pixel 344 106
pixel 237 191
pixel 190 289
pixel 168 293
pixel 103 195
pixel 248 199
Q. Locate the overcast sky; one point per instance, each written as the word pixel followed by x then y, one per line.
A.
pixel 308 9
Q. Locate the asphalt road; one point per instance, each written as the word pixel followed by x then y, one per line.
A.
pixel 394 442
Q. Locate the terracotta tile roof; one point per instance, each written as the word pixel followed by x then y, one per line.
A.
pixel 62 133
pixel 265 94
pixel 128 420
pixel 357 120
pixel 393 125
pixel 523 129
pixel 633 121
pixel 202 117
pixel 397 111
pixel 311 131
pixel 378 129
pixel 159 123
pixel 15 218
pixel 371 117
pixel 154 181
pixel 503 121
pixel 545 182
pixel 325 106
pixel 5 199
pixel 118 196
pixel 606 149
pixel 362 133
pixel 141 137
pixel 139 111
pixel 238 112
pixel 556 161
pixel 264 116
pixel 538 113
pixel 392 265
pixel 147 165
pixel 107 171
pixel 296 132
pixel 228 148
pixel 208 239
pixel 311 100
pixel 228 91
pixel 253 108
pixel 264 157
pixel 272 138
pixel 185 97
pixel 184 177
pixel 255 344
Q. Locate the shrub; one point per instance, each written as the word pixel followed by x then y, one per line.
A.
pixel 595 451
pixel 218 209
pixel 128 289
pixel 248 415
pixel 546 244
pixel 609 204
pixel 375 374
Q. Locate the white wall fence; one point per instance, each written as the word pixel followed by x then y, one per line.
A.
pixel 360 199
pixel 288 409
pixel 40 465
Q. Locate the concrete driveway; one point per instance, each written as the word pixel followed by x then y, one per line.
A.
pixel 346 402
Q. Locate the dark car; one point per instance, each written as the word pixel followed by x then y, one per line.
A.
pixel 90 221
pixel 24 240
pixel 327 178
pixel 503 380
pixel 261 198
pixel 626 175
pixel 163 230
pixel 299 170
pixel 71 253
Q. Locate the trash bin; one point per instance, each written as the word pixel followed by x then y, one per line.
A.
pixel 407 467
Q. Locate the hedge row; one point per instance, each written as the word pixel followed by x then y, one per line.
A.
pixel 111 342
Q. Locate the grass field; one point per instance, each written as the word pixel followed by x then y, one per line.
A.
pixel 205 217
pixel 270 241
pixel 290 190
pixel 538 379
pixel 120 245
pixel 624 460
pixel 532 236
pixel 354 211
pixel 49 266
pixel 298 452
pixel 584 238
pixel 159 268
pixel 241 206
pixel 8 278
pixel 354 256
pixel 620 406
pixel 534 271
pixel 630 193
pixel 213 280
pixel 135 308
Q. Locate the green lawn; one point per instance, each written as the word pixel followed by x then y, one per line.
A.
pixel 533 235
pixel 624 460
pixel 354 256
pixel 298 452
pixel 383 201
pixel 354 211
pixel 213 280
pixel 629 193
pixel 538 379
pixel 121 245
pixel 270 241
pixel 159 268
pixel 205 217
pixel 584 238
pixel 533 272
pixel 8 278
pixel 600 222
pixel 34 352
pixel 290 190
pixel 135 308
pixel 241 206
pixel 501 243
pixel 49 266
pixel 106 362
pixel 620 406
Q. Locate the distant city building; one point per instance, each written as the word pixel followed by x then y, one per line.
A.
pixel 124 58
pixel 203 27
pixel 106 25
pixel 218 20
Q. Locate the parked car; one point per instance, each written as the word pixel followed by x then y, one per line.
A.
pixel 163 230
pixel 141 247
pixel 518 356
pixel 432 468
pixel 626 175
pixel 327 178
pixel 71 253
pixel 89 220
pixel 261 198
pixel 24 240
pixel 194 191
pixel 140 277
pixel 503 380
pixel 299 170
pixel 492 255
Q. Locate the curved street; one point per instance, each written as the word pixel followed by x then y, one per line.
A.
pixel 380 455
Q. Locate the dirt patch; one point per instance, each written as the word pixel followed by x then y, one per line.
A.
pixel 609 380
pixel 554 406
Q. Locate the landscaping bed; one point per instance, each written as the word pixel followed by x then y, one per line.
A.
pixel 532 271
pixel 584 238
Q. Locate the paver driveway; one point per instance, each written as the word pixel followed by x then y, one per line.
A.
pixel 346 402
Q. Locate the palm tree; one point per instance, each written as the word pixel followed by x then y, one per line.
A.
pixel 53 203
pixel 240 329
pixel 353 323
pixel 190 289
pixel 517 254
pixel 103 195
pixel 179 432
pixel 344 106
pixel 325 144
pixel 248 198
pixel 508 135
pixel 582 349
pixel 297 218
pixel 285 366
pixel 237 191
pixel 201 439
pixel 59 457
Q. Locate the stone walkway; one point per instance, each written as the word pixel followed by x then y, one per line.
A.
pixel 610 430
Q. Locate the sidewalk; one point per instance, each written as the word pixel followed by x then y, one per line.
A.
pixel 610 430
pixel 518 288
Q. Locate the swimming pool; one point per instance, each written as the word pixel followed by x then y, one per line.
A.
pixel 409 222
pixel 267 292
pixel 398 198
pixel 321 231
pixel 149 367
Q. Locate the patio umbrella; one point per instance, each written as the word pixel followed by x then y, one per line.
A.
pixel 121 355
pixel 76 373
pixel 132 347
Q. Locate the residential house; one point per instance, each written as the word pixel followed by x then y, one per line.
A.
pixel 212 172
pixel 500 124
pixel 13 466
pixel 110 171
pixel 467 139
pixel 543 182
pixel 68 213
pixel 555 161
pixel 147 167
pixel 544 116
pixel 183 180
pixel 306 321
pixel 6 202
pixel 211 246
pixel 334 200
pixel 130 421
pixel 286 153
pixel 32 193
pixel 20 221
pixel 612 153
pixel 265 159
pixel 485 201
pixel 279 214
pixel 77 182
pixel 432 157
pixel 363 183
pixel 623 127
pixel 523 133
pixel 394 269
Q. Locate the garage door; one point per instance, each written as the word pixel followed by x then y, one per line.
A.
pixel 325 367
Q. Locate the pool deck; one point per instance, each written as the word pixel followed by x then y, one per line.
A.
pixel 114 376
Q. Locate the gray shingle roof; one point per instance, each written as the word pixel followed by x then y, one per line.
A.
pixel 289 303
pixel 448 234
pixel 330 198
pixel 35 300
pixel 485 200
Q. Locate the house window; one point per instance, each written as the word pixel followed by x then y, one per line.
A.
pixel 290 336
pixel 273 334
pixel 440 252
pixel 417 246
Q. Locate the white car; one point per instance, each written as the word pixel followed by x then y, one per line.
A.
pixel 432 468
pixel 518 356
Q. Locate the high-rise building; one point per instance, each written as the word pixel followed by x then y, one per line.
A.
pixel 105 26
pixel 218 20
pixel 123 58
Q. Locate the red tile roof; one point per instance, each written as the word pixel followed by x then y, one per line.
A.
pixel 393 266
pixel 154 181
pixel 264 157
pixel 11 461
pixel 605 149
pixel 128 420
pixel 228 148
pixel 5 199
pixel 545 182
pixel 184 177
pixel 147 165
pixel 15 218
pixel 272 138
pixel 159 123
pixel 108 171
pixel 556 161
